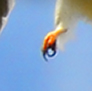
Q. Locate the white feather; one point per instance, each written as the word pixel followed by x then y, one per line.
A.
pixel 67 14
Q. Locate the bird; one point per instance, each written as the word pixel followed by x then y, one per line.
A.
pixel 6 6
pixel 67 15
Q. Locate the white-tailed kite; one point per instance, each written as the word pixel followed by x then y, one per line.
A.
pixel 67 15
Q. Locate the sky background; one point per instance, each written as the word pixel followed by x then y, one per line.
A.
pixel 22 67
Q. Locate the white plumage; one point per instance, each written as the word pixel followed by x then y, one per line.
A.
pixel 67 15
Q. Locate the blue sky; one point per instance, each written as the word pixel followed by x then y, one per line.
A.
pixel 22 67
